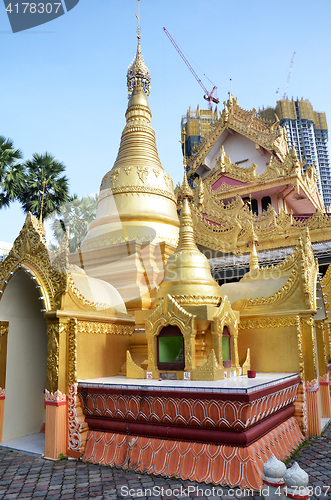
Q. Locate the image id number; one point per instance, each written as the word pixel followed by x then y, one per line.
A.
pixel 33 8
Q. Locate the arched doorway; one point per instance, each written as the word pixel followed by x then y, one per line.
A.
pixel 226 348
pixel 24 411
pixel 170 349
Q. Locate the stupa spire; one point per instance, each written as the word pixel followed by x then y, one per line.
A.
pixel 138 74
pixel 187 276
pixel 136 194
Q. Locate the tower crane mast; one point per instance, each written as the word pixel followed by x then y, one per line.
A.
pixel 208 95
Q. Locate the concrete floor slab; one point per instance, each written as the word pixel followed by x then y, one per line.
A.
pixel 33 443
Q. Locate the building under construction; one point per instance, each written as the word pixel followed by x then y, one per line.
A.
pixel 307 131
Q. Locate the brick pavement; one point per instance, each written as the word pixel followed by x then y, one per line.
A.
pixel 25 475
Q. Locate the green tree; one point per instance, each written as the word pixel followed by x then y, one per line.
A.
pixel 12 173
pixel 75 215
pixel 45 187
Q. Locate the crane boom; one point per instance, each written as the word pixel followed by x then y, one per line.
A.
pixel 208 95
pixel 289 75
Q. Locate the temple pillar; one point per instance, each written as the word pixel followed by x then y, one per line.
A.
pixel 55 393
pixel 56 424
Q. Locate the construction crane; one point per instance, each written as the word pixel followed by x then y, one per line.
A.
pixel 289 76
pixel 208 95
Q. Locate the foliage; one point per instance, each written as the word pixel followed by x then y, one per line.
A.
pixel 12 173
pixel 75 215
pixel 43 175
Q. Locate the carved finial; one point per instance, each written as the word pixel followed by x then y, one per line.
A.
pixel 201 194
pixel 138 74
pixel 138 17
pixel 254 260
pixel 186 191
pixel 223 159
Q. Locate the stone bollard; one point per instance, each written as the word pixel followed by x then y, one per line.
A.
pixel 296 481
pixel 273 482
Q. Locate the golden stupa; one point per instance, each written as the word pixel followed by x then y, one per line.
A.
pixel 136 226
pixel 188 277
pixel 136 199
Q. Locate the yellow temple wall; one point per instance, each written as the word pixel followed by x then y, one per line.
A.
pixel 267 346
pixel 101 349
pixel 327 333
pixel 309 346
pixel 321 347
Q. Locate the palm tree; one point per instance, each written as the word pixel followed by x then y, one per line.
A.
pixel 45 188
pixel 75 215
pixel 12 174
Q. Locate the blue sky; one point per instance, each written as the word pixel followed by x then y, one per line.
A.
pixel 63 84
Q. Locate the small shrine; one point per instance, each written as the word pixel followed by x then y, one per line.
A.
pixel 193 331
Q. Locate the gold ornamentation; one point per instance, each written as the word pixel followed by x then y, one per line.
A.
pixel 225 316
pixel 107 240
pixel 210 370
pixel 4 328
pixel 300 347
pixel 84 303
pixel 247 363
pixel 97 328
pixel 114 175
pixel 128 190
pixel 278 295
pixel 30 252
pixel 168 181
pixel 156 172
pixel 128 169
pixel 53 335
pixel 168 312
pixel 138 74
pixel 72 352
pixel 270 322
pixel 142 173
pixel 133 370
pixel 197 299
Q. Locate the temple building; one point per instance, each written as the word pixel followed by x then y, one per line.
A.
pixel 244 174
pixel 129 353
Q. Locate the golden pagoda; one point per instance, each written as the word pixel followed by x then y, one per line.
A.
pixel 136 219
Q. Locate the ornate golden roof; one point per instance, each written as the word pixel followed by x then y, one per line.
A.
pixel 187 277
pixel 264 133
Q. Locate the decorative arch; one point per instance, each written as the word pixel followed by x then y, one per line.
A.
pixel 225 317
pixel 169 312
pixel 29 253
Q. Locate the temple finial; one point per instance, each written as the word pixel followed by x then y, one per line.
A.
pixel 138 17
pixel 254 260
pixel 138 74
pixel 186 191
